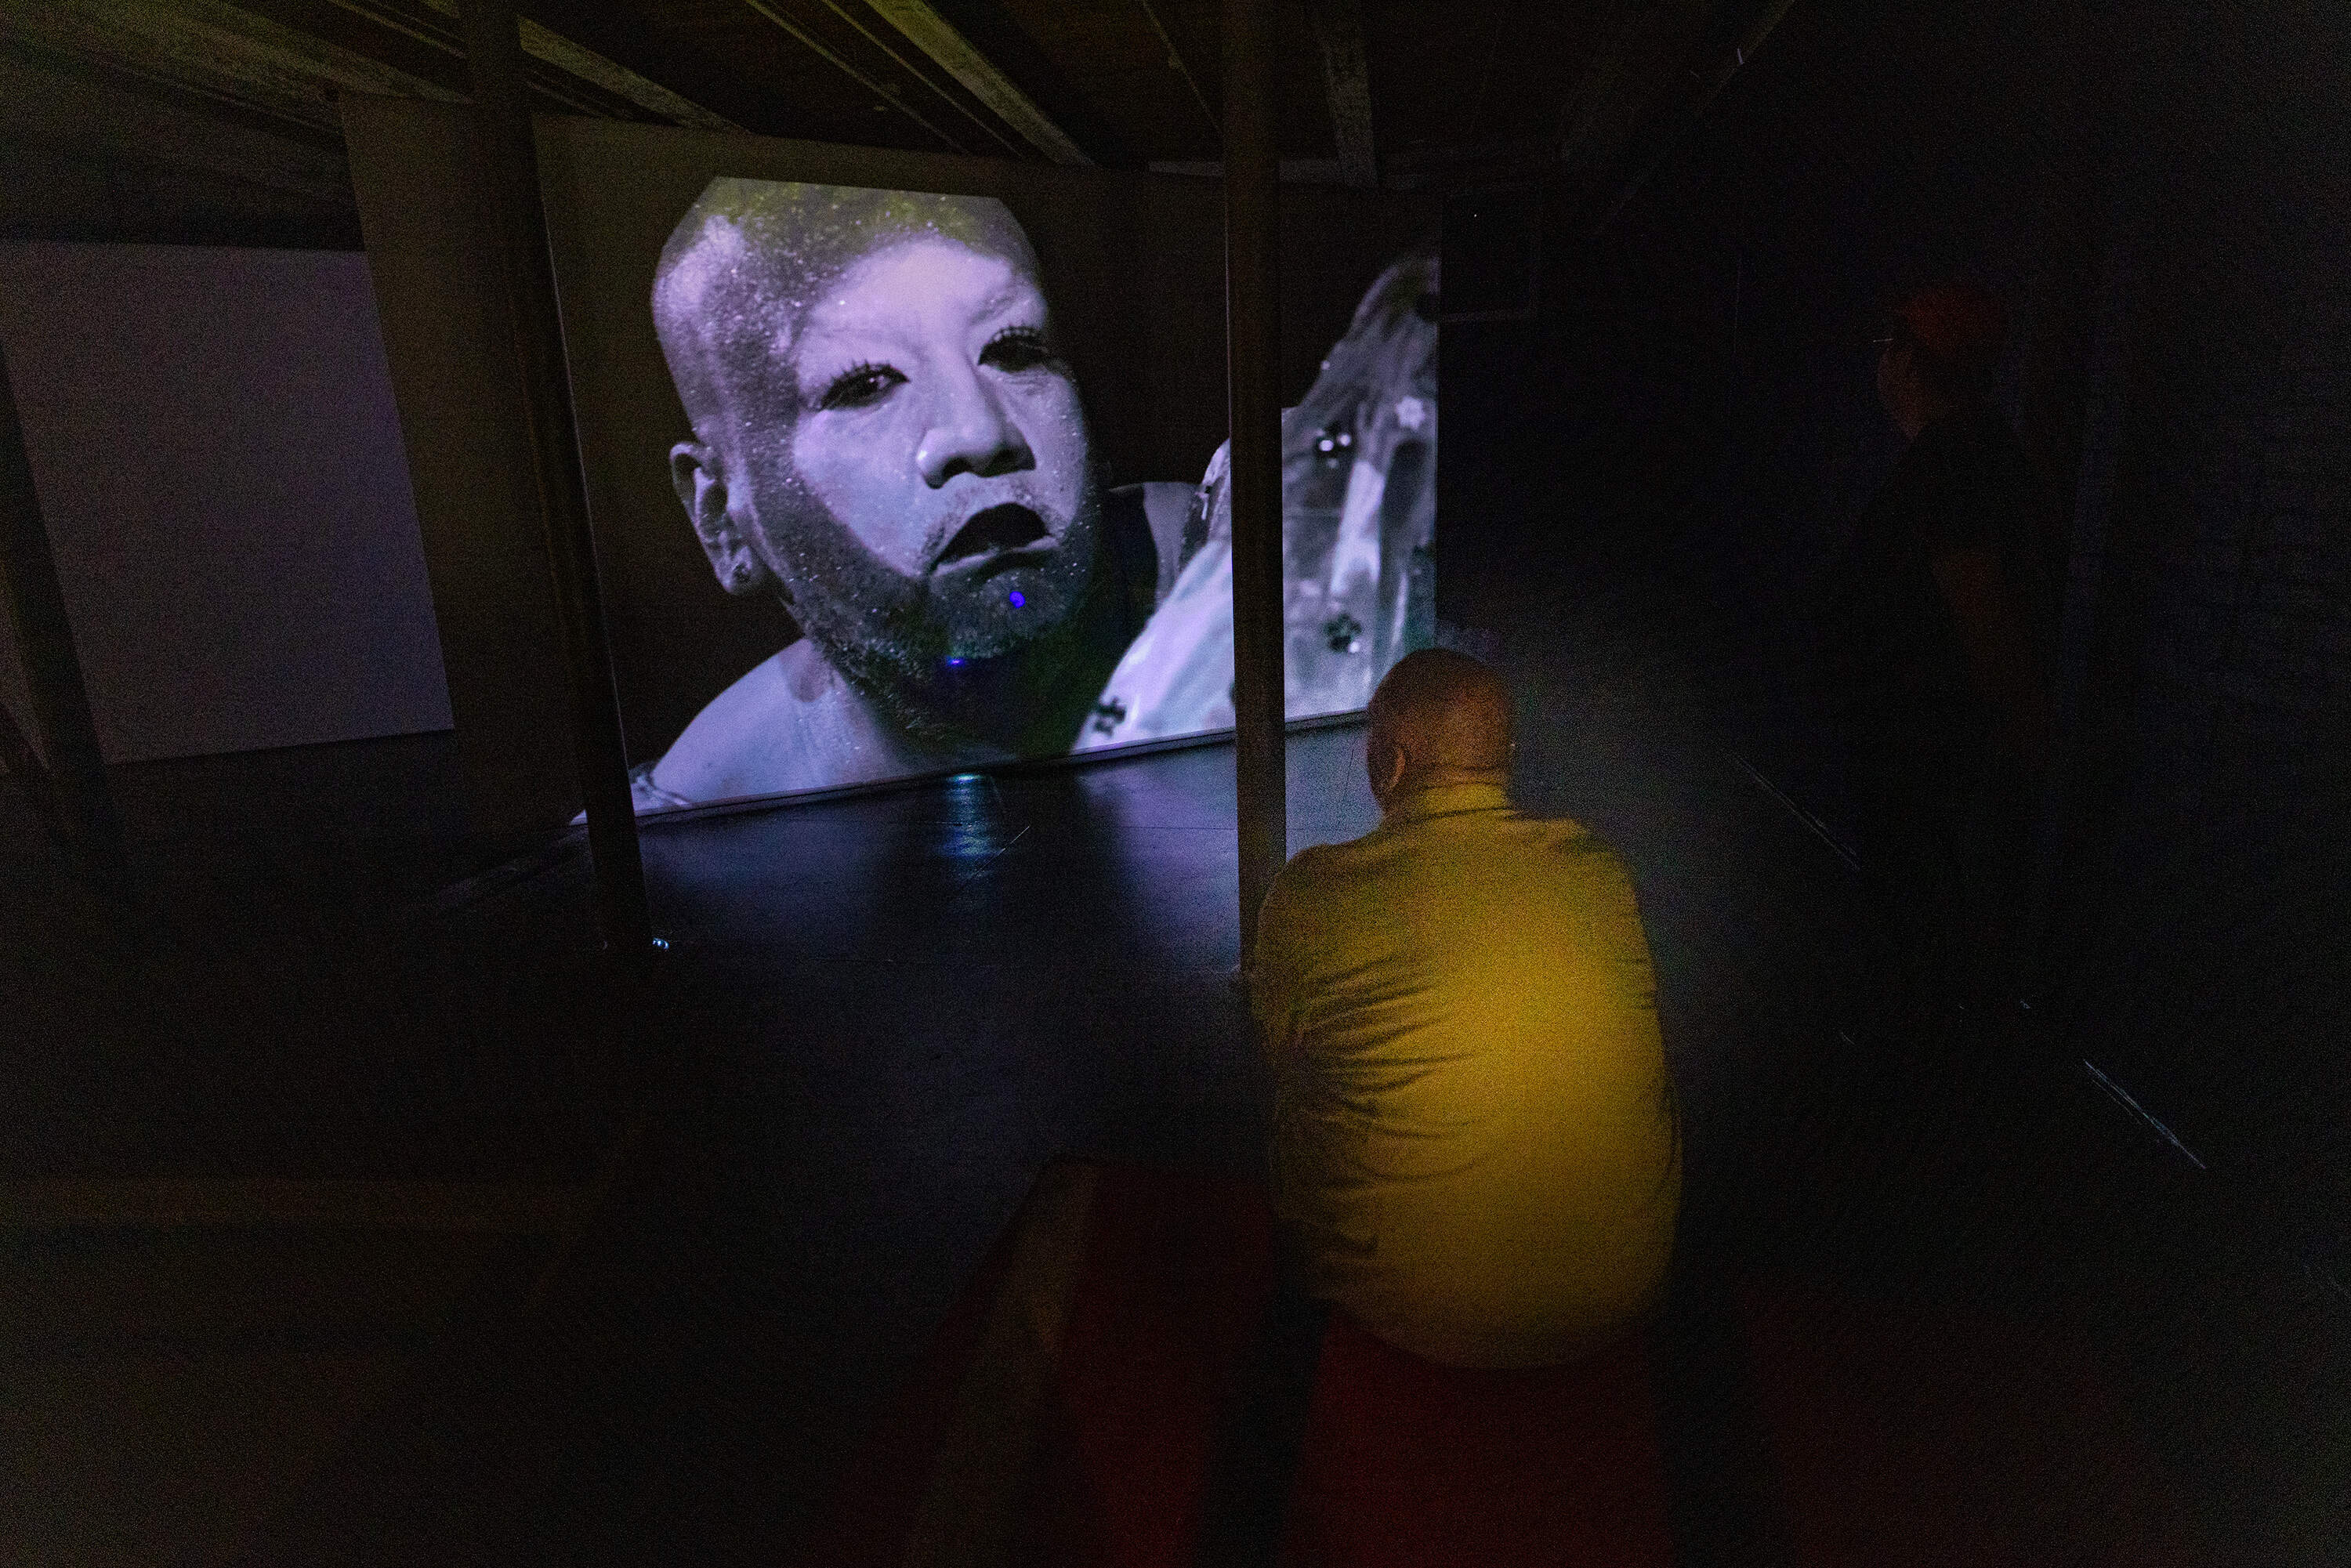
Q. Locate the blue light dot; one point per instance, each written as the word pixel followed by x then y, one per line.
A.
pixel 952 663
pixel 1018 599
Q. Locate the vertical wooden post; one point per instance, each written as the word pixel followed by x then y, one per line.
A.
pixel 1252 348
pixel 29 574
pixel 510 169
pixel 2102 452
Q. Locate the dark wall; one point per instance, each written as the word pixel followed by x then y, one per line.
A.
pixel 2198 917
pixel 2162 194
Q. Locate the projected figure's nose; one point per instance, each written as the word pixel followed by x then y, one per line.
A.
pixel 970 432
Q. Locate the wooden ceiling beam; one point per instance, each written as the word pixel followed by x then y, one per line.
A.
pixel 222 50
pixel 1710 84
pixel 986 128
pixel 1472 162
pixel 216 51
pixel 575 60
pixel 1293 172
pixel 1643 46
pixel 1347 83
pixel 73 110
pixel 937 38
pixel 1634 97
pixel 848 67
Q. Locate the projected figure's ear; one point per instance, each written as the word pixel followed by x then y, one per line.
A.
pixel 701 483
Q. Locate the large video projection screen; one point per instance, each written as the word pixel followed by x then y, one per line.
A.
pixel 902 464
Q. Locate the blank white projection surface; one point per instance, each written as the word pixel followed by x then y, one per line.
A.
pixel 219 462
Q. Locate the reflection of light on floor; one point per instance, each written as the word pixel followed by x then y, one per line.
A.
pixel 976 827
pixel 2121 1097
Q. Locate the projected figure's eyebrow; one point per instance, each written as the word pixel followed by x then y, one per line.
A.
pixel 1016 292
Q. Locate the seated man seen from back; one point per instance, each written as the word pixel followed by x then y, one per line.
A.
pixel 1475 1146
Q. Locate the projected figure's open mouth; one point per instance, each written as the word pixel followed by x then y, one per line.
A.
pixel 993 532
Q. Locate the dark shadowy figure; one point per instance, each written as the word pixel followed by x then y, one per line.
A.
pixel 1940 668
pixel 1937 661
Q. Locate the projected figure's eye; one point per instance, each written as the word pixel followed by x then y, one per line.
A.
pixel 1019 348
pixel 860 387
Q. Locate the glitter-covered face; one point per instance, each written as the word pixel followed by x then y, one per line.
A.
pixel 931 495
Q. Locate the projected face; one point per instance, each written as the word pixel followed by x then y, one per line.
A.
pixel 885 428
pixel 921 485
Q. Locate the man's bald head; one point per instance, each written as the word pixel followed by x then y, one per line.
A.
pixel 1438 717
pixel 750 257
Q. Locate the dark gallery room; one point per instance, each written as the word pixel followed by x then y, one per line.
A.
pixel 761 802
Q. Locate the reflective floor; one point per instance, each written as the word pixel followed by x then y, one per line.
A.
pixel 880 1017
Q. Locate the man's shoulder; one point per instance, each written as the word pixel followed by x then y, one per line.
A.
pixel 1304 885
pixel 770 731
pixel 1533 851
pixel 1568 843
pixel 1320 863
pixel 1391 846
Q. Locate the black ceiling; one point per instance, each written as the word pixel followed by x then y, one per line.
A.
pixel 216 118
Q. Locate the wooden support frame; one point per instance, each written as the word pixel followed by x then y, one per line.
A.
pixel 510 156
pixel 952 52
pixel 82 802
pixel 1253 350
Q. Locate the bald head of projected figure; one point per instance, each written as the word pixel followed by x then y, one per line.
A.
pixel 887 435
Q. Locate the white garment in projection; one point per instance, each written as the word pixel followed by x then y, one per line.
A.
pixel 1359 518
